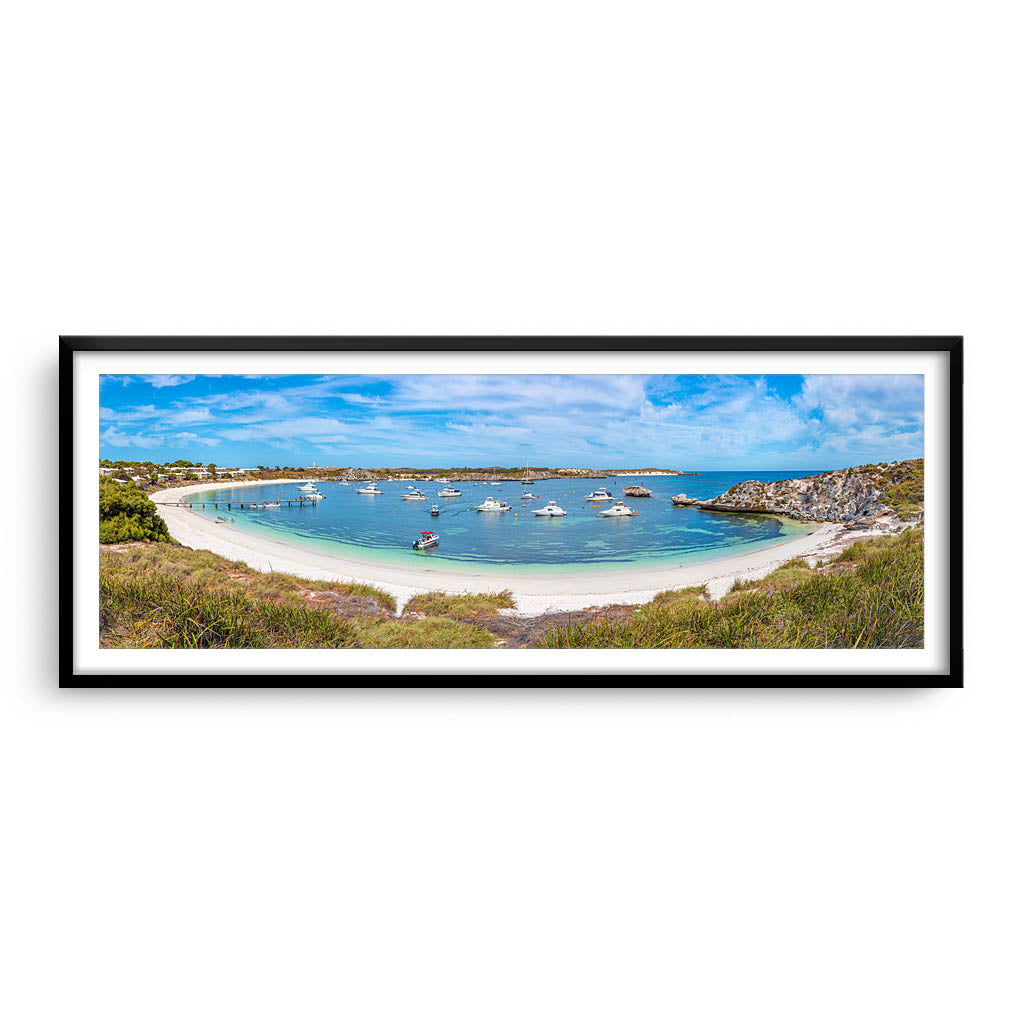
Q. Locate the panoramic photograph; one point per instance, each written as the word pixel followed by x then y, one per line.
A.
pixel 504 511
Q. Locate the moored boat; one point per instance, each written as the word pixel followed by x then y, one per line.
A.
pixel 600 494
pixel 434 510
pixel 449 492
pixel 426 539
pixel 617 510
pixel 372 489
pixel 414 495
pixel 550 509
pixel 490 505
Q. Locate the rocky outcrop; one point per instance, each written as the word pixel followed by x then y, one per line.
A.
pixel 885 495
pixel 637 492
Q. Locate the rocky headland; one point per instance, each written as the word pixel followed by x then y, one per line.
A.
pixel 889 496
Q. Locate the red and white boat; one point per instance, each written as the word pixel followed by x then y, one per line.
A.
pixel 427 539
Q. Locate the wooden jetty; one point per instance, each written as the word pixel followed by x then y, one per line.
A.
pixel 240 504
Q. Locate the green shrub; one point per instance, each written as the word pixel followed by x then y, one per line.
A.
pixel 127 514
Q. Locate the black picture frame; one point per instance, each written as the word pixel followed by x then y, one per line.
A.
pixel 69 345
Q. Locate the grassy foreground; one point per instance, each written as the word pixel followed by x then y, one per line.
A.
pixel 872 595
pixel 164 595
pixel 161 595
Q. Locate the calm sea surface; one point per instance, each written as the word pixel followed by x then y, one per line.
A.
pixel 382 529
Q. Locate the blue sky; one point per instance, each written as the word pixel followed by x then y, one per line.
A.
pixel 680 422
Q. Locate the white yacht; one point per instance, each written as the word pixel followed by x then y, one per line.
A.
pixel 449 492
pixel 414 495
pixel 315 495
pixel 441 480
pixel 618 509
pixel 309 485
pixel 550 509
pixel 372 489
pixel 601 494
pixel 490 505
pixel 528 495
pixel 344 483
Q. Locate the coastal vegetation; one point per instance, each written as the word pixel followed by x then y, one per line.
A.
pixel 902 485
pixel 166 596
pixel 127 514
pixel 163 595
pixel 872 595
pixel 460 605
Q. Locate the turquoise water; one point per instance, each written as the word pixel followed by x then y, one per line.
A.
pixel 382 529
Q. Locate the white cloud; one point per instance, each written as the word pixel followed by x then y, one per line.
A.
pixel 130 414
pixel 168 380
pixel 199 414
pixel 848 400
pixel 118 439
pixel 186 437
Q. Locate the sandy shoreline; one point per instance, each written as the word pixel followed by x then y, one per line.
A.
pixel 535 596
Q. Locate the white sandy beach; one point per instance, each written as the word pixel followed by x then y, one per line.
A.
pixel 536 596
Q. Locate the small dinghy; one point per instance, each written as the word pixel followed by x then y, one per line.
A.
pixel 427 539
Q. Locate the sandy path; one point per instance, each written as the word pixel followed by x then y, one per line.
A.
pixel 535 596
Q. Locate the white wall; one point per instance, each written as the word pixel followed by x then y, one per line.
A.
pixel 509 857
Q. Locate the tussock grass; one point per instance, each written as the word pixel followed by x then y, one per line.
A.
pixel 157 595
pixel 863 550
pixel 793 573
pixel 216 574
pixel 460 606
pixel 688 596
pixel 155 610
pixel 878 604
pixel 436 631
